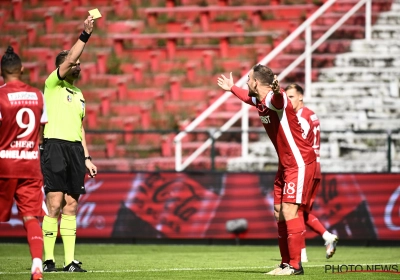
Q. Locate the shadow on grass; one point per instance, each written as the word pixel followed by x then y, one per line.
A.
pixel 244 271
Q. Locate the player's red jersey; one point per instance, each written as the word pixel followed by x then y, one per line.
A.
pixel 310 124
pixel 289 141
pixel 22 111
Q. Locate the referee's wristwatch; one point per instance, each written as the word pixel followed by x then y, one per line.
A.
pixel 88 158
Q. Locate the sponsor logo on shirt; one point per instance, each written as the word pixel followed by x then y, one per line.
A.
pixel 265 119
pixel 22 95
pixel 23 98
pixel 15 154
pixel 22 144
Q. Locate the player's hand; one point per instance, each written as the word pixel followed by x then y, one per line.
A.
pixel 275 86
pixel 88 24
pixel 92 168
pixel 225 83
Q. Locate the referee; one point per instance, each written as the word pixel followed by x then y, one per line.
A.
pixel 65 156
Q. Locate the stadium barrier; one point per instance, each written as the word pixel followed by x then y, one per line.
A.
pixel 153 150
pixel 197 205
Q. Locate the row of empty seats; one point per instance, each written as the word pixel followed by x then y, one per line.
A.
pixel 150 67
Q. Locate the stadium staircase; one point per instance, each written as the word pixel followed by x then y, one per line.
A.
pixel 355 100
pixel 150 67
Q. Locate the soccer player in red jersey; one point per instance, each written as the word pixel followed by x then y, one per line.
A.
pixel 22 116
pixel 311 127
pixel 294 183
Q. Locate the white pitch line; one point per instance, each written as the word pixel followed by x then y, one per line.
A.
pixel 194 269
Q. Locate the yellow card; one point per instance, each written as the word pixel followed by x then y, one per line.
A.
pixel 95 13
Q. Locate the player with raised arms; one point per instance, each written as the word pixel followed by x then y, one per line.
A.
pixel 295 182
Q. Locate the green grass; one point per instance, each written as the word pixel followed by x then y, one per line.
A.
pixel 111 261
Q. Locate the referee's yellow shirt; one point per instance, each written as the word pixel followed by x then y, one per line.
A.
pixel 65 109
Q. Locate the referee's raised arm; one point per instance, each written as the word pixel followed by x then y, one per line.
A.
pixel 77 49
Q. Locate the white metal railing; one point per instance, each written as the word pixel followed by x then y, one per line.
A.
pixel 243 113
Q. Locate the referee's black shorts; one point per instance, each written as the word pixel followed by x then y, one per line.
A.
pixel 63 166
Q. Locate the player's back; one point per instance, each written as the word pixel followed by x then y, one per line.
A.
pixel 311 126
pixel 21 114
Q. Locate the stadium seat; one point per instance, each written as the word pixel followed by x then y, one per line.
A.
pixel 33 70
pixel 164 59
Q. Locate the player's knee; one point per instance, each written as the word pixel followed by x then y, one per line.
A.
pixel 53 212
pixel 53 209
pixel 28 218
pixel 289 211
pixel 70 208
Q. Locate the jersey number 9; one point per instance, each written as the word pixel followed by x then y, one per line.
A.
pixel 30 126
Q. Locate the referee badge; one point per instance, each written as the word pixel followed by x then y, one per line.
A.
pixel 69 98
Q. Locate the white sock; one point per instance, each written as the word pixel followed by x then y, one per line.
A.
pixel 303 252
pixel 36 263
pixel 326 236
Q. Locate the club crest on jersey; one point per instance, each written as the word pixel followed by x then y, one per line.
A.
pixel 69 98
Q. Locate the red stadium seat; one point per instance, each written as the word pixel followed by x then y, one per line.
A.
pixel 149 67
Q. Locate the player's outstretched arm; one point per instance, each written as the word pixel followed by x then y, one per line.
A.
pixel 77 49
pixel 228 85
pixel 225 83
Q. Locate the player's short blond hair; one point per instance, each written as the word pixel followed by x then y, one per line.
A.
pixel 295 86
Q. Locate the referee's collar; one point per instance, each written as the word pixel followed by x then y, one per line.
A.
pixel 70 91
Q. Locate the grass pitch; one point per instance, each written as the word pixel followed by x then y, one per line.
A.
pixel 109 261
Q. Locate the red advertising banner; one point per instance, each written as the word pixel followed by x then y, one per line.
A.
pixel 198 205
pixel 173 204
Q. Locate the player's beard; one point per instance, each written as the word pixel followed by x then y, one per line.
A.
pixel 252 93
pixel 76 74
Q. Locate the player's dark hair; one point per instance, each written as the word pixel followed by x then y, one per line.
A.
pixel 297 87
pixel 263 74
pixel 61 57
pixel 10 62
